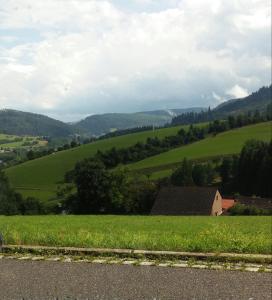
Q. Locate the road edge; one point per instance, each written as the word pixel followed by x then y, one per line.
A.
pixel 131 253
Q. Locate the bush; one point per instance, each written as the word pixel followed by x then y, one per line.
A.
pixel 31 206
pixel 244 210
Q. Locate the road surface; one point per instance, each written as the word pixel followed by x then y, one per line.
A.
pixel 60 280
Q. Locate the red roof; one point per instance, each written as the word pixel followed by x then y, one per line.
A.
pixel 227 203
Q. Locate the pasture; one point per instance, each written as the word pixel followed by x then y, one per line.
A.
pixel 199 234
pixel 40 177
pixel 226 143
pixel 13 141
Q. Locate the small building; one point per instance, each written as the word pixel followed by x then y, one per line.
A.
pixel 175 200
pixel 227 204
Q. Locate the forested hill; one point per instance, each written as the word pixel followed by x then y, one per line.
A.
pixel 256 101
pixel 260 101
pixel 23 123
pixel 105 123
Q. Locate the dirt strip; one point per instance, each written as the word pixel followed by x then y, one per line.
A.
pixel 130 253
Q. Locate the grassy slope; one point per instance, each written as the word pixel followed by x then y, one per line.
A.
pixel 39 177
pixel 13 144
pixel 224 234
pixel 225 143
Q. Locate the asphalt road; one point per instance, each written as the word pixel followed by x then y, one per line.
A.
pixel 58 280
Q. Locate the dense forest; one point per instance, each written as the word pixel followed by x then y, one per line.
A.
pixel 23 123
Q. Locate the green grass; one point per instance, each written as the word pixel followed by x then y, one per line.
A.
pixel 226 143
pixel 207 234
pixel 39 177
pixel 12 143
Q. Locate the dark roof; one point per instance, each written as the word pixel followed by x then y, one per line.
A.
pixel 184 201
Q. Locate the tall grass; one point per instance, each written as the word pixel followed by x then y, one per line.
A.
pixel 216 234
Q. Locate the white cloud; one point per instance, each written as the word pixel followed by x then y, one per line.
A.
pixel 237 92
pixel 94 56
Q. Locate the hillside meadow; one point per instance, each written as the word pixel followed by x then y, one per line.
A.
pixel 14 141
pixel 40 177
pixel 207 234
pixel 226 143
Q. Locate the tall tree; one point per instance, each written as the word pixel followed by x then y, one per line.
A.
pixel 183 175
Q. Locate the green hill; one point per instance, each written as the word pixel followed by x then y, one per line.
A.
pixel 226 143
pixel 105 123
pixel 256 101
pixel 20 123
pixel 40 177
pixel 260 101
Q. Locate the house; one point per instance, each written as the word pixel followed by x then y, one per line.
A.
pixel 174 200
pixel 227 204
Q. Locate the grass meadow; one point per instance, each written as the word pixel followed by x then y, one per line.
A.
pixel 40 177
pixel 208 234
pixel 226 143
pixel 12 143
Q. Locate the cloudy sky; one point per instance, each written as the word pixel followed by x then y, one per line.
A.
pixel 71 58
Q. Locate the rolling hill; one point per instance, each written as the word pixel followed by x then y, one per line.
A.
pixel 260 100
pixel 41 177
pixel 226 143
pixel 256 101
pixel 105 123
pixel 20 123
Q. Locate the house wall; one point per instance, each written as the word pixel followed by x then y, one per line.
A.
pixel 217 205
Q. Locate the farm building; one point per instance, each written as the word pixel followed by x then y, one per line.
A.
pixel 188 201
pixel 227 204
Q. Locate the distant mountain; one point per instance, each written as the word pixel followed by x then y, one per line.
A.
pixel 25 123
pixel 256 101
pixel 260 100
pixel 105 123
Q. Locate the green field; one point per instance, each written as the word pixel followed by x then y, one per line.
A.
pixel 226 143
pixel 207 234
pixel 12 143
pixel 39 177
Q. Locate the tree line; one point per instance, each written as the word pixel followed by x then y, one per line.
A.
pixel 113 157
pixel 206 116
pixel 250 172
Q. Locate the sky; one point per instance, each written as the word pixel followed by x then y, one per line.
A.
pixel 73 58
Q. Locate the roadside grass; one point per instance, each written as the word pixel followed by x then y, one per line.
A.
pixel 193 234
